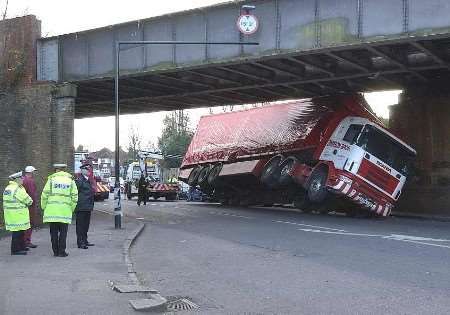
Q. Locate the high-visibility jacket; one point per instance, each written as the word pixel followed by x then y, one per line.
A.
pixel 59 198
pixel 15 207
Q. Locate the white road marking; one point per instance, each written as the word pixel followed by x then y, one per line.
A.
pixel 234 215
pixel 395 237
pixel 340 233
pixel 423 243
pixel 308 225
pixel 400 237
pixel 226 214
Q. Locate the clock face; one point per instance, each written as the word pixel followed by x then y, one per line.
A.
pixel 247 24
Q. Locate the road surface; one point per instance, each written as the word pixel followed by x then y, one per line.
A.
pixel 232 260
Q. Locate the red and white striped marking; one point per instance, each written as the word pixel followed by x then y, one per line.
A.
pixel 346 189
pixel 101 187
pixel 164 187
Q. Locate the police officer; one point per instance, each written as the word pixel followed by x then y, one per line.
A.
pixel 17 218
pixel 58 201
pixel 84 207
pixel 30 187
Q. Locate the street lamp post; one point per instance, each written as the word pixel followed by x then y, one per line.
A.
pixel 119 44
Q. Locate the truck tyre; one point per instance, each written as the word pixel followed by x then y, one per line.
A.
pixel 302 203
pixel 213 175
pixel 155 197
pixel 317 188
pixel 171 197
pixel 202 179
pixel 271 171
pixel 224 201
pixel 285 169
pixel 193 176
pixel 235 200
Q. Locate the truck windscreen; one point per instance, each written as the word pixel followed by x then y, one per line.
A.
pixel 386 149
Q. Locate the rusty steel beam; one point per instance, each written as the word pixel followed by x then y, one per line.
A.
pixel 431 54
pixel 311 65
pixel 298 82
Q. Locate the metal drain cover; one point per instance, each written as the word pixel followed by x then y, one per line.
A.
pixel 182 304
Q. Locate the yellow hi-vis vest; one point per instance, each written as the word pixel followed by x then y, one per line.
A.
pixel 15 207
pixel 59 198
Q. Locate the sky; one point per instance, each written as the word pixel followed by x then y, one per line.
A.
pixel 66 16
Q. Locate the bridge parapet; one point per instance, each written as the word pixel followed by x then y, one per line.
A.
pixel 287 26
pixel 307 48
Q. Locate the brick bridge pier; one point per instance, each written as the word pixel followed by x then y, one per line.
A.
pixel 37 118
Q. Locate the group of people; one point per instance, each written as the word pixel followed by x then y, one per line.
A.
pixel 60 198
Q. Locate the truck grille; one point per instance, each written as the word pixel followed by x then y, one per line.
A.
pixel 378 176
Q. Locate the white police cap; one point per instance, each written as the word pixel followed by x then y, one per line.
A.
pixel 15 176
pixel 30 169
pixel 60 165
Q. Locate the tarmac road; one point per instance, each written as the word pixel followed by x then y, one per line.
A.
pixel 276 261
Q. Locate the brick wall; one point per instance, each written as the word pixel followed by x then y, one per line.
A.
pixel 37 119
pixel 423 120
pixel 37 129
pixel 21 34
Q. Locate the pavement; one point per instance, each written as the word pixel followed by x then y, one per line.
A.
pixel 40 283
pixel 231 260
pixel 234 260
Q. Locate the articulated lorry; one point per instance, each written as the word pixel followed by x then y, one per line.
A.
pixel 322 154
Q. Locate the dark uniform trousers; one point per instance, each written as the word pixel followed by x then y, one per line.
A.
pixel 17 241
pixel 58 235
pixel 83 219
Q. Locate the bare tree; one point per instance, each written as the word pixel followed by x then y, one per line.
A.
pixel 12 58
pixel 134 142
pixel 5 11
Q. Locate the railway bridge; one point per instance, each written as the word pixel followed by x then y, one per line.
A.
pixel 306 48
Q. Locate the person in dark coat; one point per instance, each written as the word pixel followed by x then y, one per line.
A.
pixel 142 190
pixel 30 187
pixel 84 207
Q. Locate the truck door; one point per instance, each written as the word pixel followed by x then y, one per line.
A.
pixel 338 148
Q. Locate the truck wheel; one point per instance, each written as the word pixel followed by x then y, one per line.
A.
pixel 285 169
pixel 193 176
pixel 213 175
pixel 235 200
pixel 202 179
pixel 271 171
pixel 317 188
pixel 302 203
pixel 224 201
pixel 155 197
